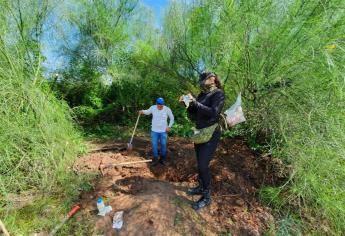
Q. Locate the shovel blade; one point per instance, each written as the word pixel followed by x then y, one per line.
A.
pixel 129 147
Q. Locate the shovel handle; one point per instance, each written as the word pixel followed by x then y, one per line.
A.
pixel 135 127
pixel 3 229
pixel 69 215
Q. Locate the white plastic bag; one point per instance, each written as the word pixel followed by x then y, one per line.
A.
pixel 187 99
pixel 234 115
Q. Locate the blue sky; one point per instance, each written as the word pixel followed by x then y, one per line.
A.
pixel 158 7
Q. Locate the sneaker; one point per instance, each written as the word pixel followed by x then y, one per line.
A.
pixel 162 162
pixel 204 201
pixel 195 191
pixel 154 163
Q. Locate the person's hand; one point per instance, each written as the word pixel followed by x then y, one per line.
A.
pixel 191 97
pixel 141 112
pixel 181 99
pixel 168 129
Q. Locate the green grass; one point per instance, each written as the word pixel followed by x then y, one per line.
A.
pixel 41 215
pixel 38 144
pixel 312 141
pixel 78 228
pixel 46 211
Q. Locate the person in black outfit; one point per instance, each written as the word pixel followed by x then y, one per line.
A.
pixel 205 111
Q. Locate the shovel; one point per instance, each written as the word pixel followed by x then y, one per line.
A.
pixel 67 217
pixel 129 145
pixel 3 229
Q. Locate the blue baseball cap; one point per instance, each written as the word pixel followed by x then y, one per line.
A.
pixel 160 101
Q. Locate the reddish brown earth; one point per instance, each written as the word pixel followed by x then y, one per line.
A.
pixel 153 198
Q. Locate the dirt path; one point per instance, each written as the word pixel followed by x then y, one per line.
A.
pixel 154 200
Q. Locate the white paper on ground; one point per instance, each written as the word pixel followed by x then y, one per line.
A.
pixel 118 220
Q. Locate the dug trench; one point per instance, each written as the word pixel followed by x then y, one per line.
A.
pixel 154 200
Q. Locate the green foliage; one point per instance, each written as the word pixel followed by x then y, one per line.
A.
pixel 38 140
pixel 271 196
pixel 109 78
pixel 106 131
pixel 286 57
pixel 85 113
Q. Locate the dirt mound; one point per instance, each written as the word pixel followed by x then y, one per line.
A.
pixel 154 199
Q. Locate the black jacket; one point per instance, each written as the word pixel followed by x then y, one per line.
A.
pixel 205 111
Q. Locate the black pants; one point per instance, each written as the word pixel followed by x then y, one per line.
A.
pixel 204 154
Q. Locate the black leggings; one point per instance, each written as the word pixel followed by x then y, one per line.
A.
pixel 204 154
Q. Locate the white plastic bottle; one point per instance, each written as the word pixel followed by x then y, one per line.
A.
pixel 100 204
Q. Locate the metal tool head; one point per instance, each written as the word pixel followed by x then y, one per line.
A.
pixel 129 147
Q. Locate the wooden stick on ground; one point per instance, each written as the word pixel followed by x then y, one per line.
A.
pixel 107 149
pixel 124 163
pixel 3 229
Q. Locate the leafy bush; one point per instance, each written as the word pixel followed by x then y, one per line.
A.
pixel 85 114
pixel 38 140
